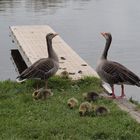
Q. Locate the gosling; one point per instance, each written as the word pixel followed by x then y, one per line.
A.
pixel 64 74
pixel 72 103
pixel 42 94
pixel 91 96
pixel 101 110
pixel 85 109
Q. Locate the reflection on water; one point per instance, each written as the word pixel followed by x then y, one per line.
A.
pixel 32 5
pixel 79 22
pixel 8 4
pixel 40 5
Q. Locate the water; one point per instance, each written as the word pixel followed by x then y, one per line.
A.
pixel 79 23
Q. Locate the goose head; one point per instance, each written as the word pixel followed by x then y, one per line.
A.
pixel 106 35
pixel 50 36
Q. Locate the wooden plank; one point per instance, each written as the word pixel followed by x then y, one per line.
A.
pixel 31 42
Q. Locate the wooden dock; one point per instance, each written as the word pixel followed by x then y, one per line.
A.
pixel 31 43
pixel 31 46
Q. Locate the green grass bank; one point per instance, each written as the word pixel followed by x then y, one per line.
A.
pixel 22 118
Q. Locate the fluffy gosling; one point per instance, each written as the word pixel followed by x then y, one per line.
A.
pixel 72 103
pixel 85 109
pixel 101 110
pixel 64 74
pixel 91 96
pixel 42 94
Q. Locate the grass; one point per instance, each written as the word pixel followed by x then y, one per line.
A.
pixel 22 118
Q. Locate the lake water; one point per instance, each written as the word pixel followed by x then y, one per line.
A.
pixel 79 23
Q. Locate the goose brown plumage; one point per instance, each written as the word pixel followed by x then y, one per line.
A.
pixel 114 73
pixel 43 68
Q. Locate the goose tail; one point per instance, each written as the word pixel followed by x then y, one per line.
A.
pixel 138 84
pixel 19 79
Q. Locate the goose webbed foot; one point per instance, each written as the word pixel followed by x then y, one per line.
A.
pixel 122 93
pixel 112 97
pixel 121 97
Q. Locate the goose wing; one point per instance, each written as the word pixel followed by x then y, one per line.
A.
pixel 42 69
pixel 117 73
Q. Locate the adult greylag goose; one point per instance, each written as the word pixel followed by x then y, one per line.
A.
pixel 43 68
pixel 114 73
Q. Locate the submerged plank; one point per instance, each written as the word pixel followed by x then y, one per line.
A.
pixel 31 43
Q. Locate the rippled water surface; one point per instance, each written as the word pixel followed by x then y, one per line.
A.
pixel 79 22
